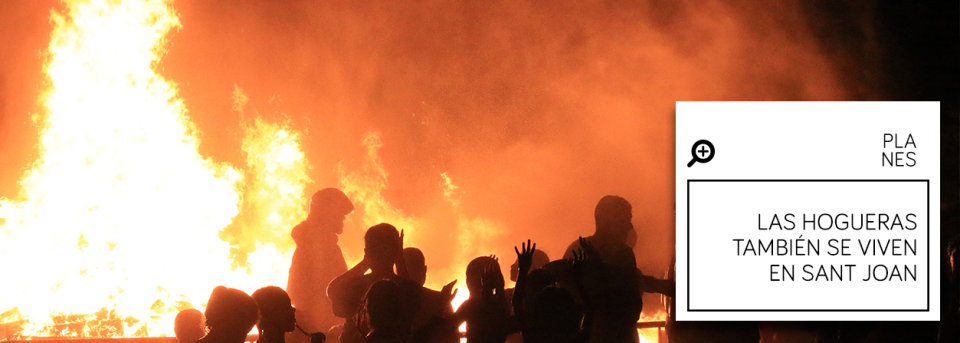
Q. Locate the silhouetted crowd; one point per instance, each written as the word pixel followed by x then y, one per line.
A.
pixel 592 294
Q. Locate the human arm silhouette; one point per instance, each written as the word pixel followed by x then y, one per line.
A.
pixel 524 262
pixel 650 284
pixel 341 290
pixel 447 293
pixel 585 259
pixel 401 265
pixel 492 281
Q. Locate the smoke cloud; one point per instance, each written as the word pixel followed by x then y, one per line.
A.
pixel 534 110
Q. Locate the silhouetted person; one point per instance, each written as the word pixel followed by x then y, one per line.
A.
pixel 230 315
pixel 316 261
pixel 385 313
pixel 189 326
pixel 536 324
pixel 612 244
pixel 608 289
pixel 610 286
pixel 276 315
pixel 486 311
pixel 613 217
pixel 416 265
pixel 432 321
pixel 383 247
pixel 540 259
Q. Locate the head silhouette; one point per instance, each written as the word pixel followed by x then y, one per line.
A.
pixel 540 259
pixel 276 314
pixel 189 326
pixel 479 271
pixel 382 247
pixel 230 314
pixel 416 265
pixel 329 207
pixel 613 216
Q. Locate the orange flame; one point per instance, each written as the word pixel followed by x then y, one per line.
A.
pixel 121 222
pixel 473 233
pixel 273 195
pixel 118 223
pixel 365 187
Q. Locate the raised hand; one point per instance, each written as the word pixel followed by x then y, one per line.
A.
pixel 485 283
pixel 492 279
pixel 399 262
pixel 588 249
pixel 579 257
pixel 497 275
pixel 448 292
pixel 579 263
pixel 525 256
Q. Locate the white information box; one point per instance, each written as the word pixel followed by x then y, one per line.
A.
pixel 808 211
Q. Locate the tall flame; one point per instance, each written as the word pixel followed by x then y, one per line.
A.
pixel 273 193
pixel 121 222
pixel 474 233
pixel 366 185
pixel 118 222
pixel 365 188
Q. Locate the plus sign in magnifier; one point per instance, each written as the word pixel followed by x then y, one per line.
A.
pixel 702 152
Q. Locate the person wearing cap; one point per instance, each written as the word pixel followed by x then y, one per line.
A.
pixel 317 260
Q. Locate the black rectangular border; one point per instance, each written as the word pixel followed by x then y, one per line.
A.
pixel 926 181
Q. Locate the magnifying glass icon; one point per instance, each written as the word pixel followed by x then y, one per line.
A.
pixel 702 152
